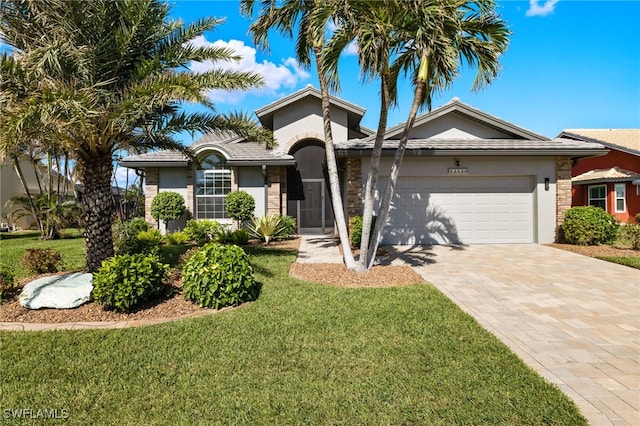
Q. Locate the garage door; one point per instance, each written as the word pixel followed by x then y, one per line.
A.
pixel 461 210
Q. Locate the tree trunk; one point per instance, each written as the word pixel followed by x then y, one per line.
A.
pixel 332 169
pixel 95 176
pixel 372 177
pixel 390 189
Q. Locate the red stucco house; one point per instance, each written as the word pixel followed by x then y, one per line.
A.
pixel 610 181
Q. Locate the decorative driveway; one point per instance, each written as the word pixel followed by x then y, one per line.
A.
pixel 574 319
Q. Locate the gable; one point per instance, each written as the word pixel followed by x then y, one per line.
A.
pixel 458 126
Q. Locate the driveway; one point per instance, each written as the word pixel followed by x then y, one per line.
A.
pixel 574 319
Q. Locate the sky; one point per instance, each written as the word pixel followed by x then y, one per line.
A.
pixel 570 64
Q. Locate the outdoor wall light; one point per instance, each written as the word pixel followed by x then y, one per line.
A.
pixel 546 184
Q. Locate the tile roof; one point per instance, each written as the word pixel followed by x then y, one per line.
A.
pixel 614 174
pixel 624 138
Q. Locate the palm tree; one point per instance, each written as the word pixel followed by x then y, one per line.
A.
pixel 436 35
pixel 285 16
pixel 110 75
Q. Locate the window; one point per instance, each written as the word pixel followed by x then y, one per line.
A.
pixel 213 183
pixel 598 196
pixel 620 196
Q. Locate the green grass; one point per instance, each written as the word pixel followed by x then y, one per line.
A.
pixel 13 246
pixel 302 353
pixel 633 262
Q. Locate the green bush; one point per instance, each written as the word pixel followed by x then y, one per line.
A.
pixel 125 235
pixel 124 282
pixel 219 276
pixel 177 238
pixel 265 227
pixel 225 236
pixel 7 280
pixel 167 206
pixel 150 241
pixel 287 227
pixel 631 231
pixel 589 225
pixel 41 261
pixel 355 230
pixel 184 258
pixel 202 231
pixel 240 205
pixel 240 237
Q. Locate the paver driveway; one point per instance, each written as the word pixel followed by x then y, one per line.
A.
pixel 574 319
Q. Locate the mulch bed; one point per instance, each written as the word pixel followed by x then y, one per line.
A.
pixel 598 251
pixel 339 275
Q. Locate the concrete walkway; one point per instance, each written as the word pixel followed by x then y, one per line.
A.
pixel 574 319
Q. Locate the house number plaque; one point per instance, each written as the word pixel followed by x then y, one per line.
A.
pixel 458 170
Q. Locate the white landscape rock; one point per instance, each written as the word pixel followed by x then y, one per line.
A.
pixel 57 291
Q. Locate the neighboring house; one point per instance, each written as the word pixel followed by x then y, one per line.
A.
pixel 11 186
pixel 467 177
pixel 611 181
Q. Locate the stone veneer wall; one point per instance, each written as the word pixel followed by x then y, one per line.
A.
pixel 353 177
pixel 563 189
pixel 277 184
pixel 190 201
pixel 150 191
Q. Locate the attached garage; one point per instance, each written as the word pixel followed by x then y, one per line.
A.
pixel 462 210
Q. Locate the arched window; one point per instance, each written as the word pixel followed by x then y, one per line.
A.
pixel 213 183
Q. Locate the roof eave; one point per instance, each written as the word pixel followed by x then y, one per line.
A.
pixel 271 162
pixel 573 153
pixel 153 164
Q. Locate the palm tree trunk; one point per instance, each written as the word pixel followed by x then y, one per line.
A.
pixel 332 169
pixel 385 202
pixel 95 176
pixel 374 171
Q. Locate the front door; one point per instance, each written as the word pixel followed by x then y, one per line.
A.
pixel 312 210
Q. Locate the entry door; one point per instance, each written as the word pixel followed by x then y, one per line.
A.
pixel 312 211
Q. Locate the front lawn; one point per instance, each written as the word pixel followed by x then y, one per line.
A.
pixel 302 353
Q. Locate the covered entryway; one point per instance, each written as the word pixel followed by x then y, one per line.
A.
pixel 462 210
pixel 307 194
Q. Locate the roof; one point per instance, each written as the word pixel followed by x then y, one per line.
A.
pixel 455 105
pixel 354 112
pixel 480 147
pixel 626 140
pixel 614 174
pixel 235 149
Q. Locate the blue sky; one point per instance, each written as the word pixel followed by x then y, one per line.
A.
pixel 570 64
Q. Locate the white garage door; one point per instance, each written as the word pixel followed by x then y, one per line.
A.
pixel 461 210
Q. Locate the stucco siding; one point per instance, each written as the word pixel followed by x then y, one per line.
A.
pixel 456 126
pixel 251 180
pixel 174 180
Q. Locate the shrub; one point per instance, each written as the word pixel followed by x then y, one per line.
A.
pixel 184 258
pixel 177 238
pixel 265 227
pixel 240 237
pixel 225 236
pixel 589 225
pixel 355 230
pixel 125 235
pixel 219 276
pixel 7 280
pixel 287 227
pixel 240 205
pixel 631 231
pixel 202 231
pixel 167 206
pixel 41 261
pixel 124 282
pixel 150 241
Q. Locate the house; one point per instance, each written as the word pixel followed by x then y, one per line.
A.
pixel 467 177
pixel 611 181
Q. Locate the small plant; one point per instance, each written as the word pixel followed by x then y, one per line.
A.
pixel 240 237
pixel 167 206
pixel 41 261
pixel 225 236
pixel 287 227
pixel 125 235
pixel 240 206
pixel 265 227
pixel 202 231
pixel 589 225
pixel 150 241
pixel 219 276
pixel 7 280
pixel 355 230
pixel 124 282
pixel 631 231
pixel 177 238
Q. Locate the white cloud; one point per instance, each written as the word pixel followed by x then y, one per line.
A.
pixel 287 74
pixel 537 9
